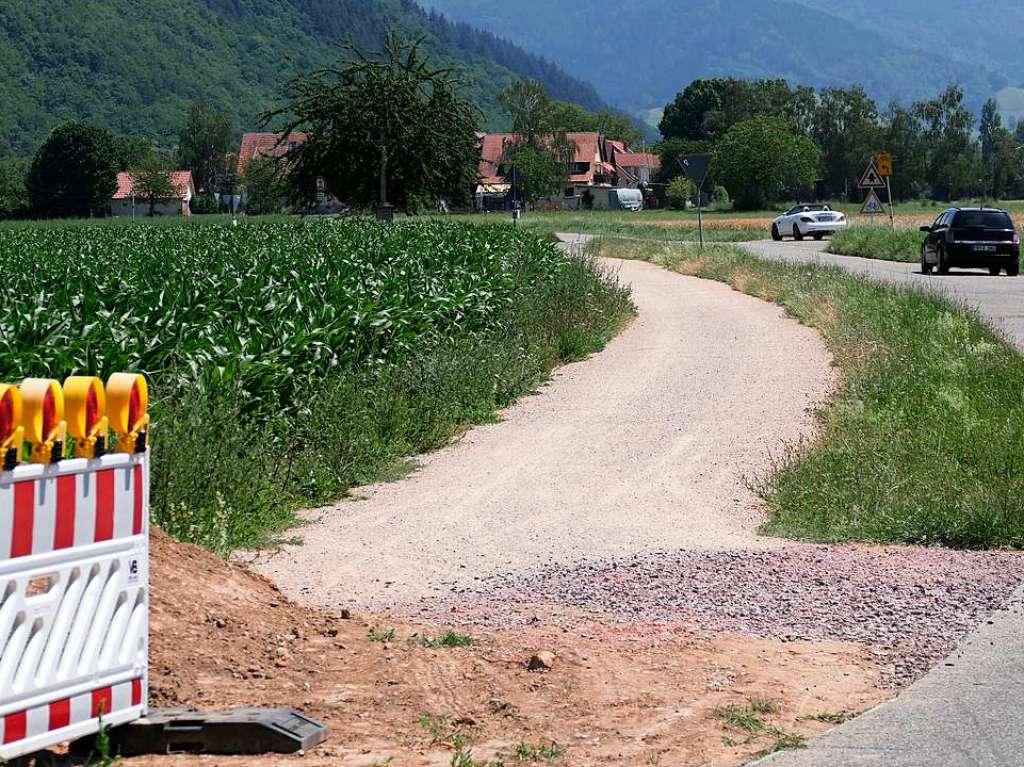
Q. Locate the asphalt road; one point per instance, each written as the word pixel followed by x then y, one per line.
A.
pixel 999 299
pixel 966 712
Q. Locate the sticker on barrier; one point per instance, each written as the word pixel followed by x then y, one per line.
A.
pixel 74 559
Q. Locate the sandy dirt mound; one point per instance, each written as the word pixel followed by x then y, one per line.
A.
pixel 222 636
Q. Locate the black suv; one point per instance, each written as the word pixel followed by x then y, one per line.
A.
pixel 978 238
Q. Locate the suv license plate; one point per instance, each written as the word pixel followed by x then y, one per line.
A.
pixel 984 248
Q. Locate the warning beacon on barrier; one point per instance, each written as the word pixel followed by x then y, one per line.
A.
pixel 128 406
pixel 85 404
pixel 43 419
pixel 12 433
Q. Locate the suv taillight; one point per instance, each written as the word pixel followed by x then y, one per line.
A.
pixel 1016 238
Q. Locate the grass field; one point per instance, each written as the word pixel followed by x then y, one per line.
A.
pixel 727 225
pixel 878 242
pixel 924 441
pixel 292 360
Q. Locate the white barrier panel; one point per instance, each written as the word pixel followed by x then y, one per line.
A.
pixel 74 599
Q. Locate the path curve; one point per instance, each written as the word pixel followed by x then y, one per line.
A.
pixel 643 447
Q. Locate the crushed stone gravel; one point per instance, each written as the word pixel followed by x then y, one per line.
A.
pixel 909 606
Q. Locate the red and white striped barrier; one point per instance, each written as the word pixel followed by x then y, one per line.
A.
pixel 74 598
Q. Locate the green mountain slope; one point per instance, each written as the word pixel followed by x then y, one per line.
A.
pixel 133 65
pixel 639 54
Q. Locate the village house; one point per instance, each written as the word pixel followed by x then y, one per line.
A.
pixel 636 169
pixel 600 164
pixel 130 200
pixel 258 145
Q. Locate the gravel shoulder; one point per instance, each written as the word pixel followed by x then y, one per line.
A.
pixel 644 447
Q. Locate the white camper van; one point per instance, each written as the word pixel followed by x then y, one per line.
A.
pixel 626 199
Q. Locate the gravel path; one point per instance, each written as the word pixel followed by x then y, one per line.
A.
pixel 642 448
pixel 911 606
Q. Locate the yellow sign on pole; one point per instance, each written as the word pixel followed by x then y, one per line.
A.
pixel 883 164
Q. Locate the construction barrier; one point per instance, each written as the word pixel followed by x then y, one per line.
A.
pixel 74 559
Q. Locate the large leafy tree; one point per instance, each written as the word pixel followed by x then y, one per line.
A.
pixel 266 186
pixel 13 194
pixel 761 161
pixel 947 130
pixel 672 153
pixel 706 109
pixel 134 152
pixel 991 123
pixel 73 173
pixel 384 128
pixel 614 125
pixel 204 143
pixel 901 136
pixel 845 128
pixel 539 157
pixel 534 115
pixel 152 181
pixel 535 172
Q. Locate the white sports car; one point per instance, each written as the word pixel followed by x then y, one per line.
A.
pixel 808 221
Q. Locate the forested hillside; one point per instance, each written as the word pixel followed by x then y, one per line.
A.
pixel 639 54
pixel 133 65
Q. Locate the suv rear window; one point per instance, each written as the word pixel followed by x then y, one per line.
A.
pixel 982 219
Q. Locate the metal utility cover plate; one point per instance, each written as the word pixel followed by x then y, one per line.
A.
pixel 243 731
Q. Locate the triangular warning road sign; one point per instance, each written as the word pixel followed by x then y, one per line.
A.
pixel 871 178
pixel 872 205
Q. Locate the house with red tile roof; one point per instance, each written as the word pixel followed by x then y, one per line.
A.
pixel 595 170
pixel 130 199
pixel 636 169
pixel 257 145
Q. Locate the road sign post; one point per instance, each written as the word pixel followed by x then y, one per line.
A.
pixel 696 166
pixel 872 205
pixel 883 162
pixel 871 179
pixel 877 177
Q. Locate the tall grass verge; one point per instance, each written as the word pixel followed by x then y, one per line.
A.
pixel 293 360
pixel 878 242
pixel 923 443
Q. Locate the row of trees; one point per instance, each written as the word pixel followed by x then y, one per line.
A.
pixel 772 140
pixel 382 128
pixel 388 128
pixel 73 173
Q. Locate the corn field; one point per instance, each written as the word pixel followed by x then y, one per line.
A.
pixel 292 360
pixel 260 307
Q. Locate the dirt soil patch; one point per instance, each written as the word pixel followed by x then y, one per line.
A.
pixel 222 636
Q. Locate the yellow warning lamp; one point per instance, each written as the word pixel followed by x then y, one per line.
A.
pixel 85 403
pixel 12 433
pixel 43 418
pixel 128 406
